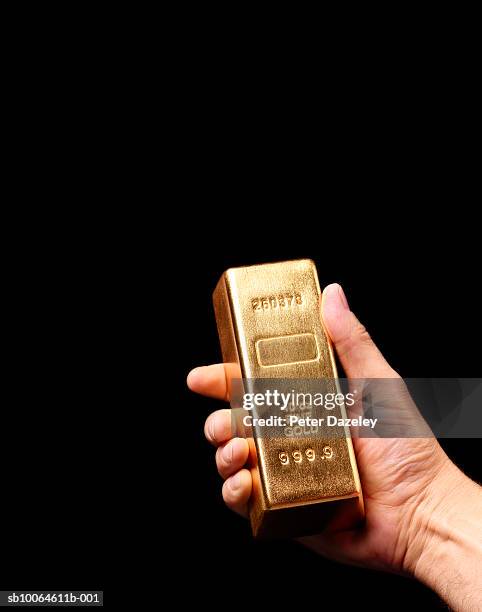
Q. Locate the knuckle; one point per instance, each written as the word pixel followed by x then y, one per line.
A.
pixel 357 336
pixel 361 334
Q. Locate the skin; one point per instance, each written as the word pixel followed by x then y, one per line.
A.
pixel 423 515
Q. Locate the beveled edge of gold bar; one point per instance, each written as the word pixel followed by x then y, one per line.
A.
pixel 301 260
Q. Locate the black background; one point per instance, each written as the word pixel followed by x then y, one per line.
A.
pixel 72 308
pixel 54 410
pixel 421 308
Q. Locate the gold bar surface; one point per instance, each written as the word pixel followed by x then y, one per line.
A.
pixel 269 325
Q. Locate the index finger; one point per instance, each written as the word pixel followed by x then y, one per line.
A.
pixel 209 380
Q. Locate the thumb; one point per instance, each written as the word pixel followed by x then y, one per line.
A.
pixel 357 352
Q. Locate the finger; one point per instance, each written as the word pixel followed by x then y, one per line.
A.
pixel 231 457
pixel 357 352
pixel 236 492
pixel 209 380
pixel 217 428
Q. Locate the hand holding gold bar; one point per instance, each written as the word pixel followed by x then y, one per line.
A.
pixel 422 512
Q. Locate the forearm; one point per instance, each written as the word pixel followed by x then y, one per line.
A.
pixel 446 550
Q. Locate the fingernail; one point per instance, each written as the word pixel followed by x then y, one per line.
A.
pixel 235 482
pixel 190 376
pixel 228 453
pixel 211 430
pixel 335 292
pixel 343 299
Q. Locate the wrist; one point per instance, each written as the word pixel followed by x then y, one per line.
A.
pixel 445 545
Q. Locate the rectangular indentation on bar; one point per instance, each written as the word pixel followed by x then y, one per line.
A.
pixel 283 350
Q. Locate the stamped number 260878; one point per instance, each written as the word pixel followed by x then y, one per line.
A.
pixel 272 302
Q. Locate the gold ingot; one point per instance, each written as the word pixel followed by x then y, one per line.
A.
pixel 269 324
